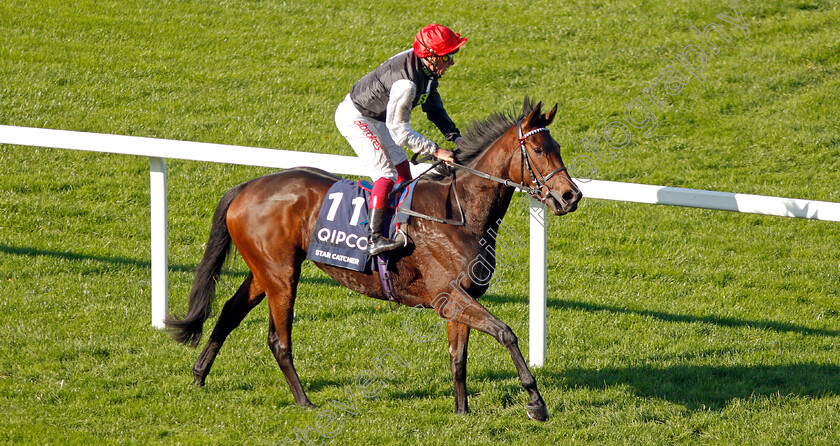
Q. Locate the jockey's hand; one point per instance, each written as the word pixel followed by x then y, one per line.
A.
pixel 444 155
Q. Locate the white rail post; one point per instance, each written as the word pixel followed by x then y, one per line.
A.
pixel 537 289
pixel 159 236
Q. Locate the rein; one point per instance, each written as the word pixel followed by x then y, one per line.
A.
pixel 538 179
pixel 412 213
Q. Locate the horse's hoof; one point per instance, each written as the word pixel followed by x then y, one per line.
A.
pixel 537 412
pixel 198 377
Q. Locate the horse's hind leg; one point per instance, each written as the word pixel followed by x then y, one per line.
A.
pixel 281 302
pixel 248 296
pixel 280 343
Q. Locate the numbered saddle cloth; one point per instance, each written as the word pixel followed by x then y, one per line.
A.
pixel 341 232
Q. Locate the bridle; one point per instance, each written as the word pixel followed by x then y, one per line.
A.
pixel 537 178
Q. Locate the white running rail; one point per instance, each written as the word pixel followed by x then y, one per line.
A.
pixel 157 150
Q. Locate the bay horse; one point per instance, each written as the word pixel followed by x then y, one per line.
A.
pixel 270 220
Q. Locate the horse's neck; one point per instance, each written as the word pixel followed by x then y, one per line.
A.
pixel 492 198
pixel 485 201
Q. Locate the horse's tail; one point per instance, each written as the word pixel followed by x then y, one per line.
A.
pixel 187 329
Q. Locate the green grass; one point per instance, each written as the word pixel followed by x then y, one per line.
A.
pixel 665 325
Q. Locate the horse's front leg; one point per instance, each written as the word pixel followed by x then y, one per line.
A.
pixel 469 312
pixel 459 336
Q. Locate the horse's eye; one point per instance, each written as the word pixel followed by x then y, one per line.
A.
pixel 538 150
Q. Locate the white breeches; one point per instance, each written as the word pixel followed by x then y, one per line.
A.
pixel 370 139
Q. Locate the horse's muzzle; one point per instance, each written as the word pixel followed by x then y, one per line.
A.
pixel 561 203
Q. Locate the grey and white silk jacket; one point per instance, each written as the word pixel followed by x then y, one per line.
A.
pixel 392 90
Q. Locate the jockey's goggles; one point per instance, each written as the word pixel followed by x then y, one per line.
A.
pixel 446 58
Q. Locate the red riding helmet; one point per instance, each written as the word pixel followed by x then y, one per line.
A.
pixel 437 40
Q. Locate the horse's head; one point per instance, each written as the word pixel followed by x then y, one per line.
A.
pixel 537 163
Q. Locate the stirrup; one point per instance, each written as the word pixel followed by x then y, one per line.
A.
pixel 402 237
pixel 379 244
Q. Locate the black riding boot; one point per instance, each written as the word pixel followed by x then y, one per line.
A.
pixel 377 242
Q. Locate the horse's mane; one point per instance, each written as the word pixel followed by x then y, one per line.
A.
pixel 480 134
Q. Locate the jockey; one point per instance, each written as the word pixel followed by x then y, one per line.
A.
pixel 375 118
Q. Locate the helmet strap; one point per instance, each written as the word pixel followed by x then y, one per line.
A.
pixel 430 72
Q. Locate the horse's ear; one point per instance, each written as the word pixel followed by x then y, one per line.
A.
pixel 532 117
pixel 549 117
